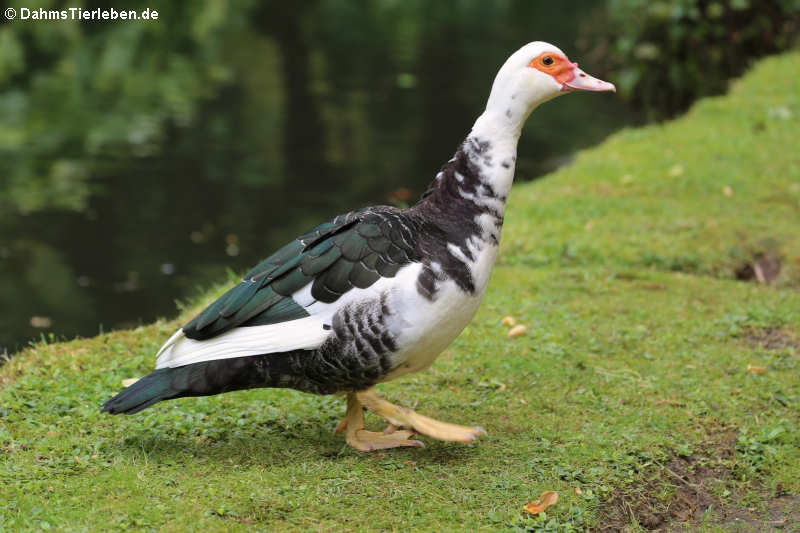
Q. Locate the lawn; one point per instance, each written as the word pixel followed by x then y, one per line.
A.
pixel 656 385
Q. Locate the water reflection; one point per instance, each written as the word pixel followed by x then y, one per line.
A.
pixel 138 163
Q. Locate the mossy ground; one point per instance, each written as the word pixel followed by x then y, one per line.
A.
pixel 636 356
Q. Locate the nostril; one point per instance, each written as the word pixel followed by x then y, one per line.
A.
pixel 583 75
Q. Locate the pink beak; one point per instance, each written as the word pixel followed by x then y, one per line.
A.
pixel 583 81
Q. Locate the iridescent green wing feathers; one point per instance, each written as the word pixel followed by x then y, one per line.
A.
pixel 353 250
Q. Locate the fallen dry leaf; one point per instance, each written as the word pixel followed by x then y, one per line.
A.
pixel 548 498
pixel 516 331
pixel 509 321
pixel 129 382
pixel 727 191
pixel 676 170
pixel 756 369
pixel 589 225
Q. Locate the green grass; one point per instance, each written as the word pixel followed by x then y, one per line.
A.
pixel 622 267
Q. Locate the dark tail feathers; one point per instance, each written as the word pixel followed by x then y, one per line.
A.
pixel 205 378
pixel 153 388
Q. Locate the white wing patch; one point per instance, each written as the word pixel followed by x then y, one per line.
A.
pixel 305 333
pixel 301 334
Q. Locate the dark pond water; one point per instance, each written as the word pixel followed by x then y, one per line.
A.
pixel 142 164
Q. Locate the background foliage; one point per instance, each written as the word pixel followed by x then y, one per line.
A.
pixel 664 54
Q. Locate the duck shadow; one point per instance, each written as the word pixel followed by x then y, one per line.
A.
pixel 277 450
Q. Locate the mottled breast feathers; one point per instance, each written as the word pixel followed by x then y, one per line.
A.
pixel 351 251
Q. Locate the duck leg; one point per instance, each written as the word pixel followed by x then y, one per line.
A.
pixel 399 416
pixel 361 439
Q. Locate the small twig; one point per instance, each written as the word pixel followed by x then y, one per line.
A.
pixel 778 522
pixel 635 377
pixel 676 476
pixel 760 273
pixel 630 512
pixel 673 403
pixel 692 507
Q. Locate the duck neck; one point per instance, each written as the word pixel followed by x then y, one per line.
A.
pixel 492 147
pixel 465 205
pixel 482 170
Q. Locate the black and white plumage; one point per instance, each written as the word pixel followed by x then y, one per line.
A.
pixel 373 294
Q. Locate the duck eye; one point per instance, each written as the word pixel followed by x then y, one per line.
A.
pixel 547 61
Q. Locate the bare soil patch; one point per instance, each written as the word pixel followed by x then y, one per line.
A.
pixel 685 493
pixel 771 338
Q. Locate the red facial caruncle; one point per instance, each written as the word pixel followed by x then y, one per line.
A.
pixel 568 74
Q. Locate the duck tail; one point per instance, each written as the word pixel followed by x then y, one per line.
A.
pixel 151 389
pixel 210 377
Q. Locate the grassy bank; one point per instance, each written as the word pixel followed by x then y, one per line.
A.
pixel 651 383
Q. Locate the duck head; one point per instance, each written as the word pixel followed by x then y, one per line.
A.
pixel 534 74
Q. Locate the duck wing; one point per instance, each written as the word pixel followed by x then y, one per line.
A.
pixel 272 309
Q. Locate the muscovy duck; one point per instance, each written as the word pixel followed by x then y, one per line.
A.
pixel 373 294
